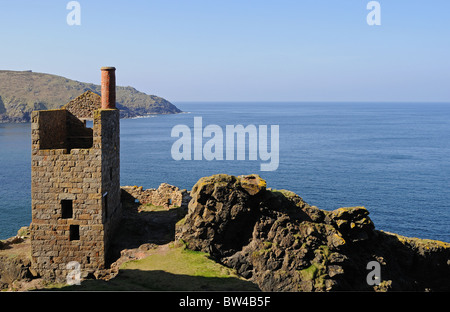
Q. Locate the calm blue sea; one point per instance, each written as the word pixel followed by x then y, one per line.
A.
pixel 392 158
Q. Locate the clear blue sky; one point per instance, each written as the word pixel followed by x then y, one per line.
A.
pixel 239 50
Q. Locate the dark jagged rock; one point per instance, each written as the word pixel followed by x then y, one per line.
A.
pixel 283 244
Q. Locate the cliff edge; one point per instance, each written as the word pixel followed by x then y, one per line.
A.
pixel 271 238
pixel 281 243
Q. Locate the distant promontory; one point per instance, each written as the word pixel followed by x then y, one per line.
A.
pixel 22 92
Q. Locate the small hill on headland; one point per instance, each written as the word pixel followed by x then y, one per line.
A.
pixel 22 92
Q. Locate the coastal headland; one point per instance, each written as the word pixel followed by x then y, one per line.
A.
pixel 251 236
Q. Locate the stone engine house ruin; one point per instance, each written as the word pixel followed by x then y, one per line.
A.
pixel 75 185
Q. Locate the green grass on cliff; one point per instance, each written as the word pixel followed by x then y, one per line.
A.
pixel 174 268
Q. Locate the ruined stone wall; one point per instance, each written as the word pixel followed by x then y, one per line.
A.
pixel 110 140
pixel 68 220
pixel 78 136
pixel 52 128
pixel 84 105
pixel 165 195
pixel 60 129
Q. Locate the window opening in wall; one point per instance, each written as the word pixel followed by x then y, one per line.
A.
pixel 89 124
pixel 67 209
pixel 74 232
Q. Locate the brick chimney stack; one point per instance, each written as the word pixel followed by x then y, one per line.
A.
pixel 108 87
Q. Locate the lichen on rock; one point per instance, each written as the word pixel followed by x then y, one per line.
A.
pixel 281 243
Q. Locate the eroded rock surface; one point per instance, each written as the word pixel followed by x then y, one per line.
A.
pixel 283 244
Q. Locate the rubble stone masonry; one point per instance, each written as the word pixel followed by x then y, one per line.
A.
pixel 167 196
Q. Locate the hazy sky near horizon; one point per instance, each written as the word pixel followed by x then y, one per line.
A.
pixel 239 50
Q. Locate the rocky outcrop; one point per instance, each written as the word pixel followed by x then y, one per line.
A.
pixel 15 259
pixel 271 237
pixel 281 243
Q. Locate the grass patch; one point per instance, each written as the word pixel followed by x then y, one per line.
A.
pixel 151 207
pixel 175 269
pixel 310 272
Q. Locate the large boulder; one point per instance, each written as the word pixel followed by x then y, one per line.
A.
pixel 281 243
